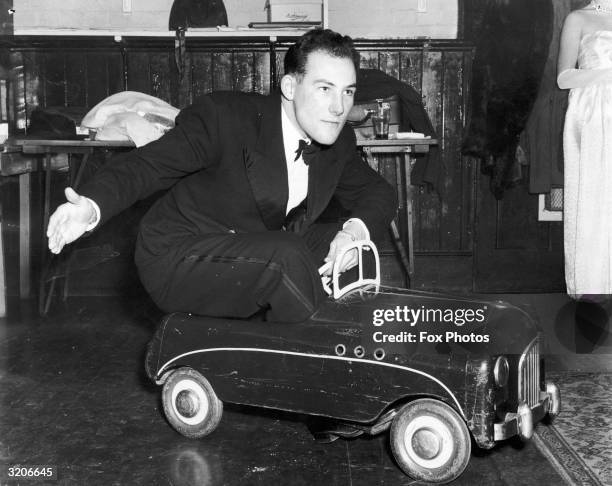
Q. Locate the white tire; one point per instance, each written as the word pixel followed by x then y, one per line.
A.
pixel 190 403
pixel 430 441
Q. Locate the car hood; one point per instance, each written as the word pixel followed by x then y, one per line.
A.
pixel 476 326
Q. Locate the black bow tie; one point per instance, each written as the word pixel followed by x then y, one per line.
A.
pixel 306 150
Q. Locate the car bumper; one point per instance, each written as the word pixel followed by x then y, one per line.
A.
pixel 522 423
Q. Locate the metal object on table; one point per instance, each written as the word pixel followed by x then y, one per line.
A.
pixel 406 147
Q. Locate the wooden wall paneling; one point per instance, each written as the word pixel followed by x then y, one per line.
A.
pixel 279 58
pixel 261 72
pixel 389 63
pixel 138 71
pixel 76 78
pixel 97 80
pixel 54 78
pixel 471 173
pixel 411 68
pixel 115 68
pixel 184 80
pixel 369 60
pixel 243 71
pixel 223 66
pixel 411 73
pixel 452 215
pixel 177 83
pixel 469 191
pixel 163 76
pixel 17 93
pixel 428 232
pixel 201 73
pixel 432 86
pixel 103 75
pixel 33 83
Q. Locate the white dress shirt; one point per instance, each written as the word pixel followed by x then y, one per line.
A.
pixel 297 170
pixel 297 175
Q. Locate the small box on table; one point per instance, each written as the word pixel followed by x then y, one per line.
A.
pixel 295 10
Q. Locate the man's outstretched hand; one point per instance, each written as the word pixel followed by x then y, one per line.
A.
pixel 70 220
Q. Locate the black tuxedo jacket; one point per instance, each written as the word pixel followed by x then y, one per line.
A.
pixel 225 164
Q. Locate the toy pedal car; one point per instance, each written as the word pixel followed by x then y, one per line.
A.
pixel 431 368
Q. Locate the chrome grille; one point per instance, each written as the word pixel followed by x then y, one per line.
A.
pixel 529 374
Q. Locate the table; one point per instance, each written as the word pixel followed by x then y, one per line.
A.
pixel 70 147
pixel 13 165
pixel 407 147
pixel 47 148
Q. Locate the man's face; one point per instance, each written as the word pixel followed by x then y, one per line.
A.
pixel 323 96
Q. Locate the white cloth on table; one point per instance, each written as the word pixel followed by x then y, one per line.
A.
pixel 130 115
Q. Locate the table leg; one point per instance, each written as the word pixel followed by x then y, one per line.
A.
pixel 43 296
pixel 75 186
pixel 399 245
pixel 82 166
pixel 406 259
pixel 25 226
pixel 2 276
pixel 409 216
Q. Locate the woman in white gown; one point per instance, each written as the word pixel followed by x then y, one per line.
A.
pixel 585 67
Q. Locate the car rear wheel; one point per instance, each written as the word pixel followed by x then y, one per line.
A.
pixel 430 441
pixel 190 403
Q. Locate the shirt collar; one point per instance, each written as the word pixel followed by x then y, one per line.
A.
pixel 291 135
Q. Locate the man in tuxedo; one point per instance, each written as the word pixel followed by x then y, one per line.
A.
pixel 248 177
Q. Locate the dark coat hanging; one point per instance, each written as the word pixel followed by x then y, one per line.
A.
pixel 512 38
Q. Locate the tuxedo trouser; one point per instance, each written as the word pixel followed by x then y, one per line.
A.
pixel 242 274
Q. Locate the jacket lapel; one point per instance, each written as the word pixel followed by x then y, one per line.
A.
pixel 267 171
pixel 266 167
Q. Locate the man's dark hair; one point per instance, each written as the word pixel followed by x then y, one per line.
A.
pixel 323 40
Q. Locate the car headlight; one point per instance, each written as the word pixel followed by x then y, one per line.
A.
pixel 501 370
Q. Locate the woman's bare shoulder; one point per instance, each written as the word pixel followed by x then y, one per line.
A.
pixel 580 15
pixel 583 20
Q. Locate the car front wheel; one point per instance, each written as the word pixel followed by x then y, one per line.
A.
pixel 190 403
pixel 430 441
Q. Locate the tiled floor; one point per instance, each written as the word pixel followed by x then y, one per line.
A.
pixel 73 395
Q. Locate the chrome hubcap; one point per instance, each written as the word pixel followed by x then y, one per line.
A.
pixel 426 443
pixel 187 403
